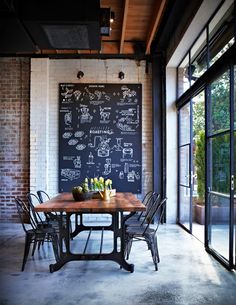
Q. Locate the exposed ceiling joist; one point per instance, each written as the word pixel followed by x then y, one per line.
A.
pixel 124 23
pixel 158 11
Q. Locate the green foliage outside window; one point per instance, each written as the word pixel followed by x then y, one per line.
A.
pixel 200 164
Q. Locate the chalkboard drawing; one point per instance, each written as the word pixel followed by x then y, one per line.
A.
pixel 118 146
pixel 79 134
pixel 77 162
pixel 131 176
pixel 90 158
pixel 70 174
pixel 77 94
pixel 85 117
pixel 80 146
pixel 126 168
pixel 88 94
pixel 121 175
pixel 68 118
pixel 105 114
pixel 73 141
pixel 101 130
pixel 129 117
pixel 127 153
pixel 103 147
pixel 128 95
pixel 99 94
pixel 107 167
pixel 66 135
pixel 68 93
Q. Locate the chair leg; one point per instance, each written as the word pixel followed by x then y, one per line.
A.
pixel 28 240
pixel 35 245
pixel 156 249
pixel 128 248
pixel 39 244
pixel 156 258
pixel 151 246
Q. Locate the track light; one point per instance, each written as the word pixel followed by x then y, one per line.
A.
pixel 121 75
pixel 80 74
pixel 112 17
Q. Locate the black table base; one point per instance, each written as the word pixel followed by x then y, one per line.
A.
pixel 66 238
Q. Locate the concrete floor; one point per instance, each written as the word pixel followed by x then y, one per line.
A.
pixel 187 275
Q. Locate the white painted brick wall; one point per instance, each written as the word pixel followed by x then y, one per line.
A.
pixel 171 146
pixel 45 78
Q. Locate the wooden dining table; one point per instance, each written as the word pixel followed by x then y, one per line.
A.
pixel 64 204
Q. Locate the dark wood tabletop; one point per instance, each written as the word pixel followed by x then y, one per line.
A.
pixel 64 202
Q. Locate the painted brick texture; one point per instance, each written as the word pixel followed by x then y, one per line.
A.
pixel 14 134
pixel 46 75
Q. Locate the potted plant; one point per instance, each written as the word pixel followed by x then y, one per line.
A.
pixel 92 188
pixel 82 192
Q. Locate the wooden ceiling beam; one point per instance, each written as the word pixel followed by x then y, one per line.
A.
pixel 124 23
pixel 158 11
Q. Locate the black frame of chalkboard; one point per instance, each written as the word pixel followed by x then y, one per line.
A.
pixel 100 134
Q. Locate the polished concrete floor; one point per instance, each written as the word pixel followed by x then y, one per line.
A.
pixel 187 275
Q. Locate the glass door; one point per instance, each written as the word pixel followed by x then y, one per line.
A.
pixel 185 167
pixel 191 207
pixel 220 170
pixel 198 180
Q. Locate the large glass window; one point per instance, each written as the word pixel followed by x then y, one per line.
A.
pixel 198 57
pixel 198 180
pixel 219 161
pixel 184 165
pixel 207 137
pixel 214 40
pixel 183 76
pixel 221 32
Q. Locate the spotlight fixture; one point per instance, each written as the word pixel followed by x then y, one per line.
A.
pixel 80 74
pixel 112 17
pixel 121 75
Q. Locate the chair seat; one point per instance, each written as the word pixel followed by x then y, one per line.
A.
pixel 139 231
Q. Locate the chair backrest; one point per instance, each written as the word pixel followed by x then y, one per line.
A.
pixel 24 211
pixel 34 200
pixel 147 197
pixel 151 198
pixel 158 210
pixel 43 196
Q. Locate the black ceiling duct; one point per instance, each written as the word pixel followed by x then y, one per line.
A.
pixel 53 24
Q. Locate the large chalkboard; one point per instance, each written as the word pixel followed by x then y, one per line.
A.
pixel 100 129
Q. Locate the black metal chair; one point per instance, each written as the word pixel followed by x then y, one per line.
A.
pixel 35 233
pixel 144 231
pixel 39 218
pixel 53 217
pixel 148 201
pixel 43 196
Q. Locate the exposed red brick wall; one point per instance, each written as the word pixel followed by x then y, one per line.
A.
pixel 14 134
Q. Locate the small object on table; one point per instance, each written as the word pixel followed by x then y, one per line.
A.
pixel 81 196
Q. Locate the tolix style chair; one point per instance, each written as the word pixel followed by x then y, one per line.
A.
pixel 146 231
pixel 53 217
pixel 35 233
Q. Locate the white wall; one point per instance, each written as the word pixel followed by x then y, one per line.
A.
pixel 171 146
pixel 46 75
